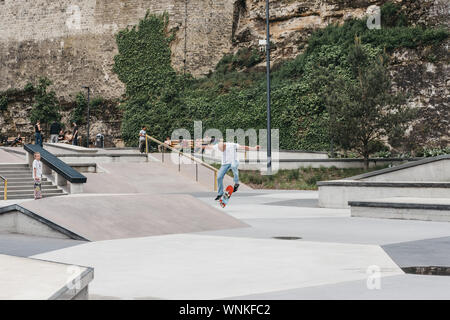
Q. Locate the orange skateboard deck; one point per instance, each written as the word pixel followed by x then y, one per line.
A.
pixel 226 196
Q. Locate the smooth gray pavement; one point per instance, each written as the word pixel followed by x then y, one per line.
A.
pixel 137 202
pixel 402 287
pixel 428 252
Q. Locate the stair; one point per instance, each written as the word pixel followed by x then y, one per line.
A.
pixel 20 183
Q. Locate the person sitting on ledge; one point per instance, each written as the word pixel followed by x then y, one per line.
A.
pixel 17 140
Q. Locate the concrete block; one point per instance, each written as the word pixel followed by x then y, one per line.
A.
pixel 60 180
pixel 76 188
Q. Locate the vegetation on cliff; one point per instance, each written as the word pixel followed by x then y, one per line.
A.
pixel 163 100
pixel 46 107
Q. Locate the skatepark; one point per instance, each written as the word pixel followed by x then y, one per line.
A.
pixel 142 228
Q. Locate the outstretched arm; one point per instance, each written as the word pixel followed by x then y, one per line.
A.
pixel 247 148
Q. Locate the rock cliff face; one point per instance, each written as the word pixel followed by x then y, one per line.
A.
pixel 73 43
pixel 292 22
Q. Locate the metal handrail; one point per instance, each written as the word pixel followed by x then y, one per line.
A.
pixel 5 189
pixel 197 161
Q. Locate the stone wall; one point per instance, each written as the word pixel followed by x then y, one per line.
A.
pixel 72 41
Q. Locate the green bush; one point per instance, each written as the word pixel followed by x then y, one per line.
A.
pixel 3 103
pixel 433 152
pixel 79 113
pixel 46 107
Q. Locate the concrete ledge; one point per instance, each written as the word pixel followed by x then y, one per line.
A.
pixel 406 203
pixel 399 184
pixel 400 167
pixel 33 279
pixel 429 209
pixel 10 221
pixel 84 167
pixel 70 147
pixel 102 158
pixel 337 194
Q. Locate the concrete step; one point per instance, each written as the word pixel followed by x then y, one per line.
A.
pixel 2 169
pixel 24 184
pixel 30 190
pixel 406 208
pixel 28 187
pixel 23 194
pixel 31 196
pixel 22 179
pixel 14 167
pixel 16 175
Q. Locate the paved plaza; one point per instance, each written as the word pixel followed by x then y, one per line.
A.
pixel 160 235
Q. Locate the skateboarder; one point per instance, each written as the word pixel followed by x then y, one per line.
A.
pixel 37 175
pixel 229 161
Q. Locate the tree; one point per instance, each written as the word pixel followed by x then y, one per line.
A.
pixel 78 114
pixel 46 107
pixel 363 109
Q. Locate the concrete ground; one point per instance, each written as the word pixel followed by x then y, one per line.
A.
pixel 333 256
pixel 9 157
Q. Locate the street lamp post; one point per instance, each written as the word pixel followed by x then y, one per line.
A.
pixel 88 113
pixel 269 138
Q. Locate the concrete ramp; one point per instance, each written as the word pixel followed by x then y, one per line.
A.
pixel 109 217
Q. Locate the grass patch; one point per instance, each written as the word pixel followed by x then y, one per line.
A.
pixel 296 179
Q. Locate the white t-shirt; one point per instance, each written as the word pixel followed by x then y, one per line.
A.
pixel 38 166
pixel 142 134
pixel 230 153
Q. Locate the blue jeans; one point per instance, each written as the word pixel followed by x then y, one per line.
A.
pixel 38 139
pixel 223 171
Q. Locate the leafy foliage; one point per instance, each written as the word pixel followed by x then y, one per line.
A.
pixel 46 107
pixel 78 114
pixel 244 58
pixel 143 62
pixel 362 108
pixel 3 102
pixel 163 101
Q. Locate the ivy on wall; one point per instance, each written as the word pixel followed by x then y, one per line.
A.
pixel 162 100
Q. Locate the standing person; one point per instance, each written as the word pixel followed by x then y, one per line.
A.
pixel 229 161
pixel 37 176
pixel 142 136
pixel 55 128
pixel 75 134
pixel 37 133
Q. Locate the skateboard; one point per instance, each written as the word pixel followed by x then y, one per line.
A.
pixel 37 190
pixel 226 196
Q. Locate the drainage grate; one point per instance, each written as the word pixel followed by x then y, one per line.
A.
pixel 429 271
pixel 286 238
